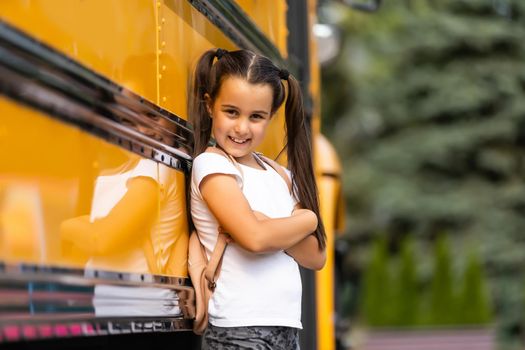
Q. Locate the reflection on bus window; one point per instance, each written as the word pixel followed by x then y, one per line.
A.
pixel 121 301
pixel 136 223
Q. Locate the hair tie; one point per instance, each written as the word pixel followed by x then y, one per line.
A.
pixel 219 53
pixel 284 74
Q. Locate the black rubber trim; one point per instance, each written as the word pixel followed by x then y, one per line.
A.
pixel 239 28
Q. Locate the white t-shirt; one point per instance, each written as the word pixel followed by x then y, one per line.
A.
pixel 252 289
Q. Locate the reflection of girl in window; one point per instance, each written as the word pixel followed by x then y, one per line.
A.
pixel 137 221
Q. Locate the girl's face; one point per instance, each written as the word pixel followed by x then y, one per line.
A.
pixel 240 115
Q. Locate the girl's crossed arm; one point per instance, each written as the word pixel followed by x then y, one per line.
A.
pixel 124 224
pixel 306 252
pixel 231 209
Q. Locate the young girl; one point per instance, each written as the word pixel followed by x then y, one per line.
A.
pixel 257 300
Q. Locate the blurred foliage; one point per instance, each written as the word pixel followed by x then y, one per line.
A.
pixel 473 301
pixel 377 287
pixel 407 300
pixel 426 108
pixel 443 306
pixel 399 296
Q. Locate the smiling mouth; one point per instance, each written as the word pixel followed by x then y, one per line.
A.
pixel 238 141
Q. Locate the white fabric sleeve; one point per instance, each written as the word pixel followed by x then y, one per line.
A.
pixel 208 163
pixel 110 189
pixel 146 168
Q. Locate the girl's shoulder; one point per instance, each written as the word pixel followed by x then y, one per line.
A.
pixel 213 151
pixel 211 159
pixel 211 162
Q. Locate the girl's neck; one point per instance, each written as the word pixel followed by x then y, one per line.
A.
pixel 249 160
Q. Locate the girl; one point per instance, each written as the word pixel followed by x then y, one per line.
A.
pixel 257 301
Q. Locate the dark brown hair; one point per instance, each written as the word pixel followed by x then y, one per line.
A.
pixel 256 69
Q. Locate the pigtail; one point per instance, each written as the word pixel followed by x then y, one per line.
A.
pixel 299 151
pixel 197 110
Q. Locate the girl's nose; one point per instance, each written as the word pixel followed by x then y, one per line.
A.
pixel 241 127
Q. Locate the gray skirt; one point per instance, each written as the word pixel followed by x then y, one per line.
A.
pixel 252 338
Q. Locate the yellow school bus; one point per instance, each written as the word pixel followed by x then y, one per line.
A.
pixel 95 152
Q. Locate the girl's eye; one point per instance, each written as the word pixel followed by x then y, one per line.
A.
pixel 231 112
pixel 257 116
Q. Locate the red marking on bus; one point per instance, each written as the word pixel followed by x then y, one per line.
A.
pixel 12 333
pixel 61 330
pixel 76 329
pixel 29 332
pixel 45 331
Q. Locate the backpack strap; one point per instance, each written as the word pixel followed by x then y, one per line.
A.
pixel 277 167
pixel 218 150
pixel 213 266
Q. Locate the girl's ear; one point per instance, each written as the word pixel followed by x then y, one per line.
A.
pixel 208 101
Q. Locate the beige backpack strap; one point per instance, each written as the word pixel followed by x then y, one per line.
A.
pixel 278 168
pixel 218 150
pixel 213 267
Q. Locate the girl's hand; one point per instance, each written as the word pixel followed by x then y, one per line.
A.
pixel 299 211
pixel 79 232
pixel 229 239
pixel 308 214
pixel 307 253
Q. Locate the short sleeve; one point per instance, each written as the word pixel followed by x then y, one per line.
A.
pixel 146 168
pixel 110 189
pixel 211 163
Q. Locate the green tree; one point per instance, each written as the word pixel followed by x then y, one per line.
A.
pixel 442 301
pixel 377 287
pixel 407 294
pixel 474 305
